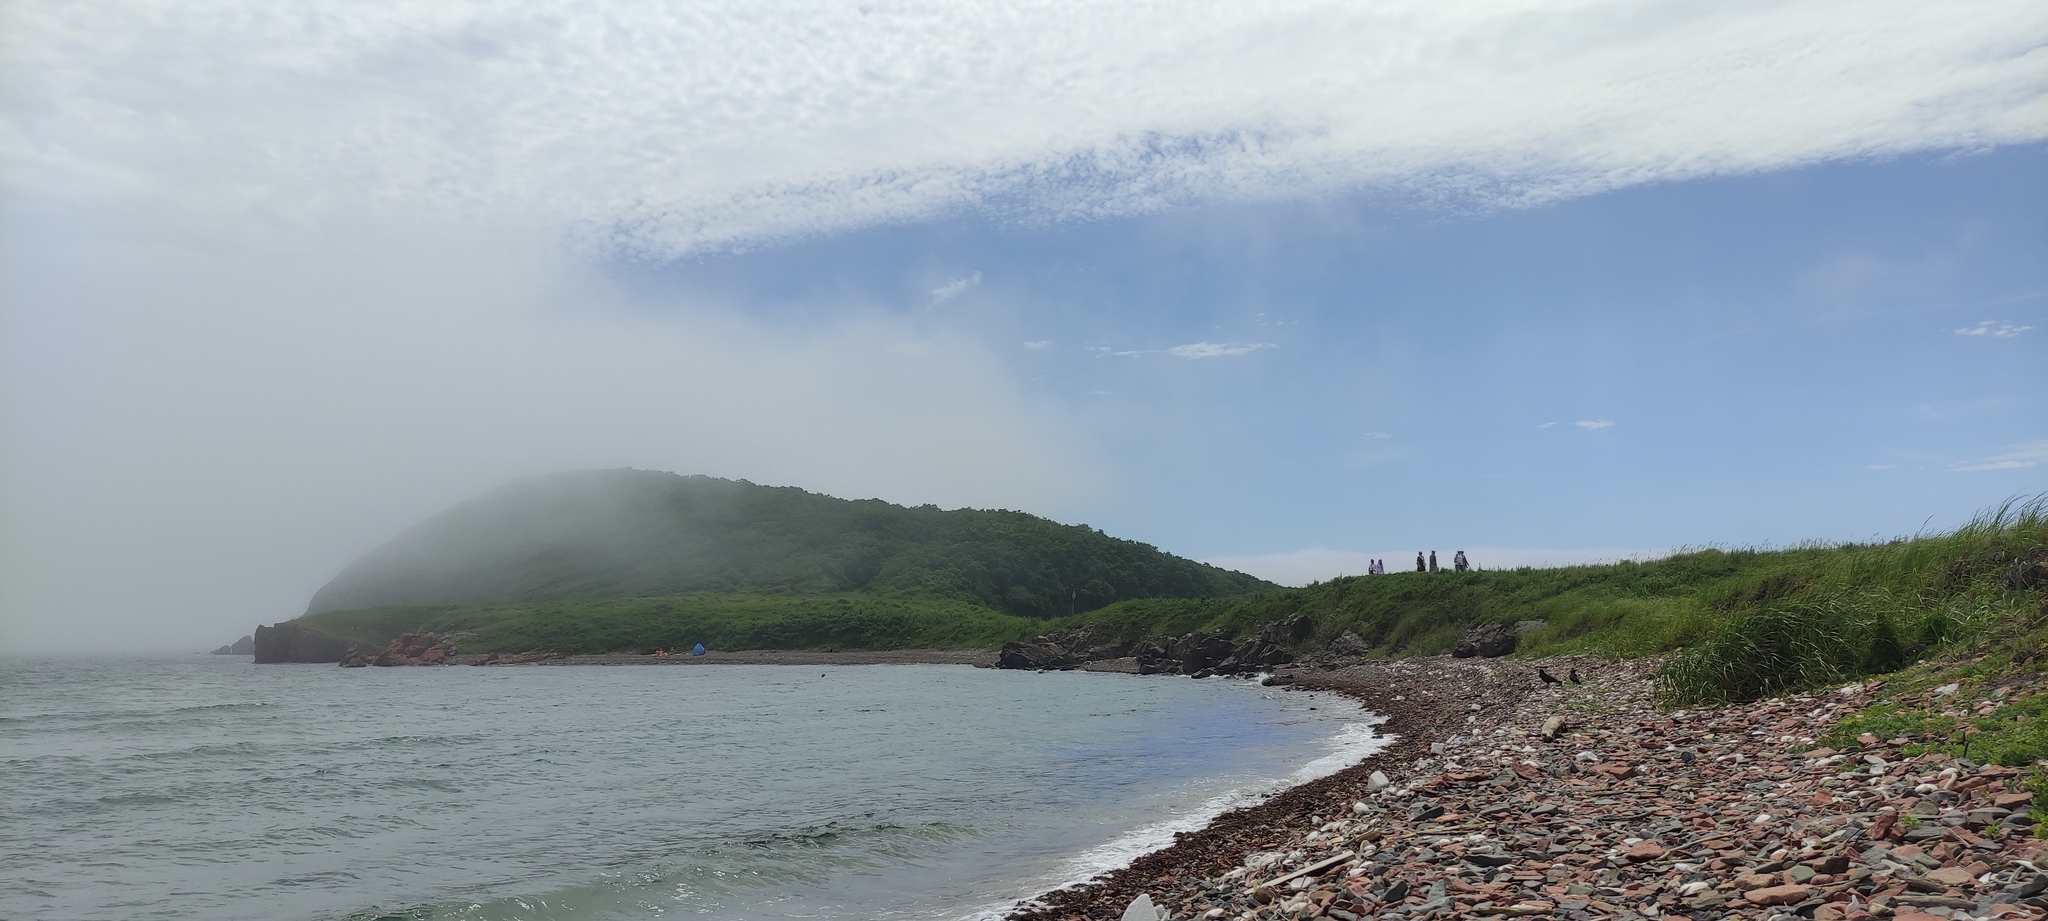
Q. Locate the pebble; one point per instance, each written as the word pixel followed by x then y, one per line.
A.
pixel 1720 814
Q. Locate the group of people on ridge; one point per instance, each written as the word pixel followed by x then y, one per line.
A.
pixel 1458 562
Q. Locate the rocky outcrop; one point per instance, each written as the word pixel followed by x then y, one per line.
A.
pixel 289 642
pixel 1347 645
pixel 407 649
pixel 1064 649
pixel 1201 655
pixel 1490 641
pixel 1035 657
pixel 242 647
pixel 1197 654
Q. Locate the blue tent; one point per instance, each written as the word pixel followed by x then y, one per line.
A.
pixel 698 650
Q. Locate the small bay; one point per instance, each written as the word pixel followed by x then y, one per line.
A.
pixel 201 786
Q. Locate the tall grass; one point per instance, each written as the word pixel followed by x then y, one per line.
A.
pixel 1859 610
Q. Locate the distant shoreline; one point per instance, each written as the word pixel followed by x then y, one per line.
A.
pixel 982 658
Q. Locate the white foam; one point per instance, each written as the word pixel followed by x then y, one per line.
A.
pixel 1353 742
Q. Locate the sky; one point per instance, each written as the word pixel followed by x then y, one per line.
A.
pixel 1284 287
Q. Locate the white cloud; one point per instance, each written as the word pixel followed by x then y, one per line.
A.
pixel 1216 349
pixel 1879 466
pixel 1315 564
pixel 1593 423
pixel 955 288
pixel 1548 425
pixel 1375 435
pixel 1997 329
pixel 635 126
pixel 1037 344
pixel 2014 458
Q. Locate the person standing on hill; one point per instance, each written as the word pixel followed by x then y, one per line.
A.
pixel 1432 561
pixel 1459 562
pixel 1420 566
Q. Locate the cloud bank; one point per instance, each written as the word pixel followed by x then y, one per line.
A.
pixel 2014 458
pixel 1996 329
pixel 638 127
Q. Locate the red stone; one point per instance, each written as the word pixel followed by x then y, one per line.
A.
pixel 1778 895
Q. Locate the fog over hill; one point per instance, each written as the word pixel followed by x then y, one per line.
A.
pixel 623 533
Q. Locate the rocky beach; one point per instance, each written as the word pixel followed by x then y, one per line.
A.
pixel 1549 787
pixel 1506 795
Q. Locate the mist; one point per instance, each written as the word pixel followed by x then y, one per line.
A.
pixel 201 437
pixel 277 283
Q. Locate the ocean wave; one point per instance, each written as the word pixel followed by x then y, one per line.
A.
pixel 1353 741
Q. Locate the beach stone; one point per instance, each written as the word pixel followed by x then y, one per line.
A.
pixel 1778 895
pixel 1142 909
pixel 1645 850
pixel 1952 877
pixel 1377 782
pixel 1553 727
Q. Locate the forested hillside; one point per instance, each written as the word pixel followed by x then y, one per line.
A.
pixel 606 534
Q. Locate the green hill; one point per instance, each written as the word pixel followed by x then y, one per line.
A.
pixel 614 534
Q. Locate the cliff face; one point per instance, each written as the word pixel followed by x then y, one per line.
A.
pixel 289 642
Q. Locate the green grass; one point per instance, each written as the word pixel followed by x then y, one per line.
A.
pixel 1735 624
pixel 1854 610
pixel 719 621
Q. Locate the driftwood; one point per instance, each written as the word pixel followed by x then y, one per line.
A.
pixel 1312 869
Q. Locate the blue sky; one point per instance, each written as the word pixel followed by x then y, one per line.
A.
pixel 1750 360
pixel 1281 286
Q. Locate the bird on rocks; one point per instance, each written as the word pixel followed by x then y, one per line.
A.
pixel 1547 677
pixel 1575 677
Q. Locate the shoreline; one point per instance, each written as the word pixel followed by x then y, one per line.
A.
pixel 1623 813
pixel 974 657
pixel 1415 705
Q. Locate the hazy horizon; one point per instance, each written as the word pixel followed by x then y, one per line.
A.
pixel 1291 287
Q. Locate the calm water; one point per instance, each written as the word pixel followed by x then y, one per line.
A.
pixel 208 787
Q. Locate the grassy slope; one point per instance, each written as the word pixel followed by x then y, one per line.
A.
pixel 848 620
pixel 1749 623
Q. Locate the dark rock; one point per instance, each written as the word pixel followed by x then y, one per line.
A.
pixel 289 642
pixel 1034 657
pixel 1202 652
pixel 1064 649
pixel 1490 641
pixel 242 647
pixel 1346 645
pixel 1287 632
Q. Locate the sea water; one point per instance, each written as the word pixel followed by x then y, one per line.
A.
pixel 209 787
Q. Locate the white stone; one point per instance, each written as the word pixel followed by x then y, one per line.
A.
pixel 1375 783
pixel 1142 909
pixel 1947 689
